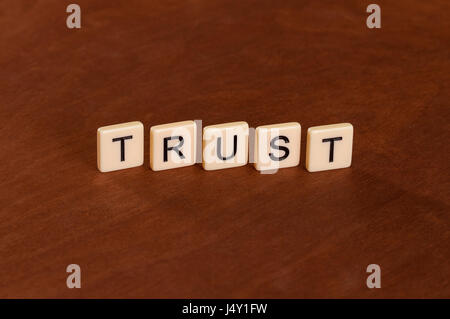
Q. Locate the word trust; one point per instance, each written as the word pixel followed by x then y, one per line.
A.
pixel 228 145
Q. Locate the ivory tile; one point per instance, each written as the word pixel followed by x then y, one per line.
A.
pixel 120 146
pixel 172 145
pixel 329 147
pixel 225 145
pixel 277 146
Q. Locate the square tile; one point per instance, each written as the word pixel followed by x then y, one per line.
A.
pixel 329 147
pixel 225 145
pixel 277 146
pixel 120 146
pixel 172 145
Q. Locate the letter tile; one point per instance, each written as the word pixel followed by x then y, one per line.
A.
pixel 172 145
pixel 329 147
pixel 277 146
pixel 120 146
pixel 225 145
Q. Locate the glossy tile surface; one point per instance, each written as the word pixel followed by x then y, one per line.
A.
pixel 172 145
pixel 329 147
pixel 225 145
pixel 277 146
pixel 120 146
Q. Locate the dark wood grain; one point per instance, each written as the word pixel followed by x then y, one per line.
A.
pixel 234 233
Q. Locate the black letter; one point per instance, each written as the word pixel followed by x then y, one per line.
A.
pixel 122 145
pixel 173 148
pixel 331 140
pixel 276 147
pixel 219 148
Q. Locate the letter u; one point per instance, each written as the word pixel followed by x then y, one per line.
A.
pixel 219 148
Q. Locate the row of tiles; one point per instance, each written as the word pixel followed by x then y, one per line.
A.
pixel 226 145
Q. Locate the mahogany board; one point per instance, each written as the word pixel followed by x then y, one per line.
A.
pixel 189 233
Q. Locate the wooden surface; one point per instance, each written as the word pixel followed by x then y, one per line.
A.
pixel 234 233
